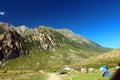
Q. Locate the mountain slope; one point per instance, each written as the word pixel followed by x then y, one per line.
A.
pixel 110 58
pixel 47 48
pixel 82 40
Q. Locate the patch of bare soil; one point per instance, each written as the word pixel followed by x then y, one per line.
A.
pixel 53 76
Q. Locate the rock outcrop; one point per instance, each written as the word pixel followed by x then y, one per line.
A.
pixel 11 45
pixel 17 41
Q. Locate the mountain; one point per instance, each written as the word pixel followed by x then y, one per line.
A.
pixel 82 40
pixel 5 27
pixel 74 37
pixel 43 47
pixel 110 58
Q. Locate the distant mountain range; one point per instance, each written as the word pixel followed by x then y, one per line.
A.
pixel 24 48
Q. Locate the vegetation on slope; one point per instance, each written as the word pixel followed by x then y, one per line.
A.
pixel 49 49
pixel 54 59
pixel 110 58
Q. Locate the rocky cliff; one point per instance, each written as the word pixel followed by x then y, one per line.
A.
pixel 16 41
pixel 11 45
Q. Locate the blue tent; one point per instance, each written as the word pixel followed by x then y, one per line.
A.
pixel 105 68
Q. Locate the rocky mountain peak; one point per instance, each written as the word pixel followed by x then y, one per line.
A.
pixel 22 28
pixel 6 26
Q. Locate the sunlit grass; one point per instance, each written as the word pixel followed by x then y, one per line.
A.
pixel 23 75
pixel 85 76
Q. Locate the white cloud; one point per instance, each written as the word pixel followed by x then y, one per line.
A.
pixel 2 13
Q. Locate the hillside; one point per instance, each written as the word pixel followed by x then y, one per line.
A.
pixel 110 58
pixel 42 48
pixel 82 40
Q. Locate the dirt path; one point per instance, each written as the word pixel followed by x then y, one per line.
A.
pixel 53 76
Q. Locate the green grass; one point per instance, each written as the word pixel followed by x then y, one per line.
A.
pixel 85 76
pixel 96 62
pixel 33 75
pixel 51 60
pixel 23 75
pixel 39 77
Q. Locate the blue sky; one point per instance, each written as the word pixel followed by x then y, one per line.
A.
pixel 97 20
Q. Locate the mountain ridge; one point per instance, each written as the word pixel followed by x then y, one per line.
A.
pixel 46 45
pixel 80 39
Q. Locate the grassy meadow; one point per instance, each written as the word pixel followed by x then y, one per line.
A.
pixel 23 75
pixel 39 75
pixel 86 76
